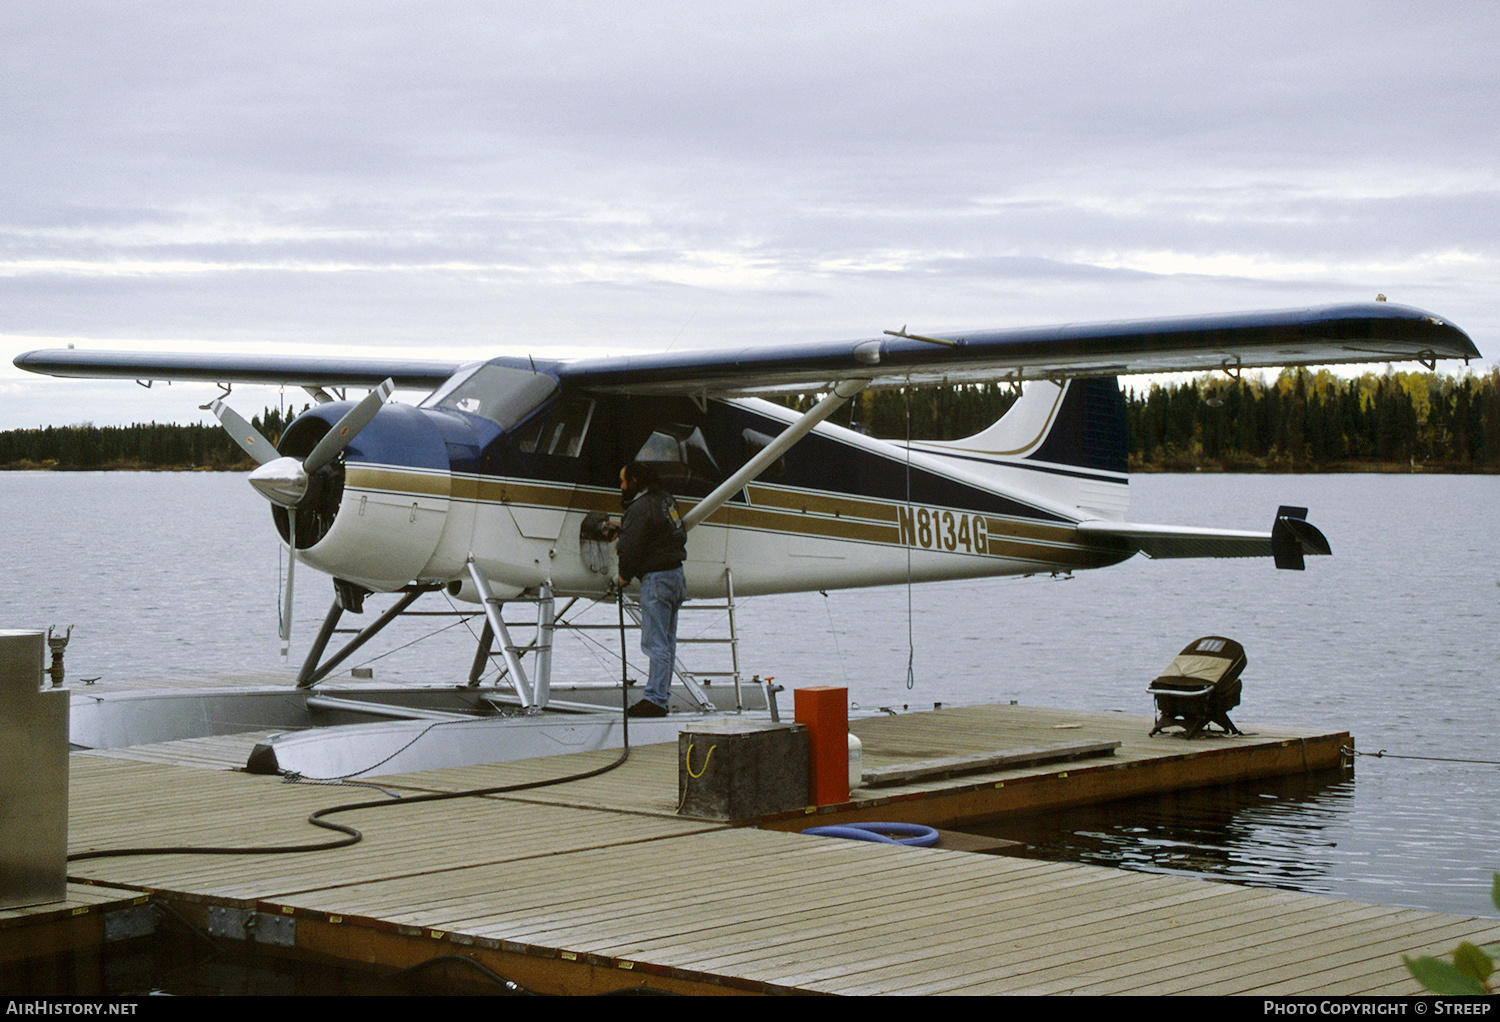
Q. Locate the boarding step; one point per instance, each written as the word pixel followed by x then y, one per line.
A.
pixel 1010 759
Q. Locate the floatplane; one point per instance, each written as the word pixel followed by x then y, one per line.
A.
pixel 494 487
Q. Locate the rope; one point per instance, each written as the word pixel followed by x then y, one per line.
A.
pixel 838 647
pixel 688 761
pixel 1349 750
pixel 911 642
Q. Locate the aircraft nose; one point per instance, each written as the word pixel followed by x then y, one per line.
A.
pixel 282 481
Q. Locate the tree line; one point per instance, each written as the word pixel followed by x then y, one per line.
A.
pixel 143 446
pixel 1298 421
pixel 1316 421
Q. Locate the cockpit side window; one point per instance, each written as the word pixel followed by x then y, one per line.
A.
pixel 503 394
pixel 561 432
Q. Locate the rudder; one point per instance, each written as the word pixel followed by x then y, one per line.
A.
pixel 1067 441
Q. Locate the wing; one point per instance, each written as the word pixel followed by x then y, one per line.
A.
pixel 1375 332
pixel 413 374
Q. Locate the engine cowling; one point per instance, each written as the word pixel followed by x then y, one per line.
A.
pixel 375 515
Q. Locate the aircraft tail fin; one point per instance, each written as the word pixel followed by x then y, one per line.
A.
pixel 1293 535
pixel 1066 441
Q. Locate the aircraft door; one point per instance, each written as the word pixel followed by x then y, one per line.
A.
pixel 539 514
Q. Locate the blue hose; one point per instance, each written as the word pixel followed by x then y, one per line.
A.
pixel 916 835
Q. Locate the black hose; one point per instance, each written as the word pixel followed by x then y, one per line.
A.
pixel 624 671
pixel 353 836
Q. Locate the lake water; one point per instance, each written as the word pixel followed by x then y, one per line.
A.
pixel 1394 639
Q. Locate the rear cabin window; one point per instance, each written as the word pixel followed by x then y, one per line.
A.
pixel 679 453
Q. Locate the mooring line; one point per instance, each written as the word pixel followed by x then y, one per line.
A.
pixel 1349 750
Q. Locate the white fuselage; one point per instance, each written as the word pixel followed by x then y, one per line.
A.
pixel 397 524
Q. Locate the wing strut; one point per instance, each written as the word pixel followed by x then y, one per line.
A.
pixel 836 398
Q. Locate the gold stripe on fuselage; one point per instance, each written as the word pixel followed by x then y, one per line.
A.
pixel 779 510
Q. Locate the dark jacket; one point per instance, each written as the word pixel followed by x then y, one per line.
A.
pixel 651 536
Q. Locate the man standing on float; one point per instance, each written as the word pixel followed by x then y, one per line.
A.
pixel 652 547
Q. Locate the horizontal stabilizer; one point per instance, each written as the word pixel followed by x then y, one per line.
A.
pixel 1293 536
pixel 1290 538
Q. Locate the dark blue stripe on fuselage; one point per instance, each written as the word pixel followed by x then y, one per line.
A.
pixel 620 425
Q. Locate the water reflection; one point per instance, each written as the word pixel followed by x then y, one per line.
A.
pixel 1282 833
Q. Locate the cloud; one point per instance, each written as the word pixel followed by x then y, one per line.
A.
pixel 462 174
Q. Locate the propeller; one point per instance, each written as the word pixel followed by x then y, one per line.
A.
pixel 246 435
pixel 283 480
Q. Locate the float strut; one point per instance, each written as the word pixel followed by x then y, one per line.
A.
pixel 482 654
pixel 507 648
pixel 308 676
pixel 305 677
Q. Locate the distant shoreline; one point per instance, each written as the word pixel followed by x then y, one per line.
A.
pixel 1172 468
pixel 119 466
pixel 1331 468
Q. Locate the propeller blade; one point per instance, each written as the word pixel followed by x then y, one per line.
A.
pixel 246 435
pixel 285 623
pixel 343 431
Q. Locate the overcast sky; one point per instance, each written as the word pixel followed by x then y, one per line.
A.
pixel 473 178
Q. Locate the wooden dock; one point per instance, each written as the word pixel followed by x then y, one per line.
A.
pixel 598 885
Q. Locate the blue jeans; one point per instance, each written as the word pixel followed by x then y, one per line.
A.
pixel 662 592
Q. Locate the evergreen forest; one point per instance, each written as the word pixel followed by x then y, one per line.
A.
pixel 1299 421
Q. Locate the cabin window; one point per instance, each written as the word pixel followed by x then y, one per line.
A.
pixel 562 432
pixel 679 454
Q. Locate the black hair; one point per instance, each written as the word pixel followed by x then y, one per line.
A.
pixel 641 475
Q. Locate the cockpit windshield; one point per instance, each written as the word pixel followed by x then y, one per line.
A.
pixel 502 394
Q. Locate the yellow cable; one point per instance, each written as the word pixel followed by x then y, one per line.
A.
pixel 689 763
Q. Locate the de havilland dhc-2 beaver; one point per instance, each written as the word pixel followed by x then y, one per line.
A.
pixel 496 485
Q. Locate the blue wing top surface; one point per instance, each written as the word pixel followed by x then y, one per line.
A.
pixel 1373 332
pixel 309 371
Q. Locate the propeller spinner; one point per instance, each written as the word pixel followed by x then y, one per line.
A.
pixel 283 480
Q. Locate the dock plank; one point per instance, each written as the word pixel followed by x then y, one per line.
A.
pixel 601 876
